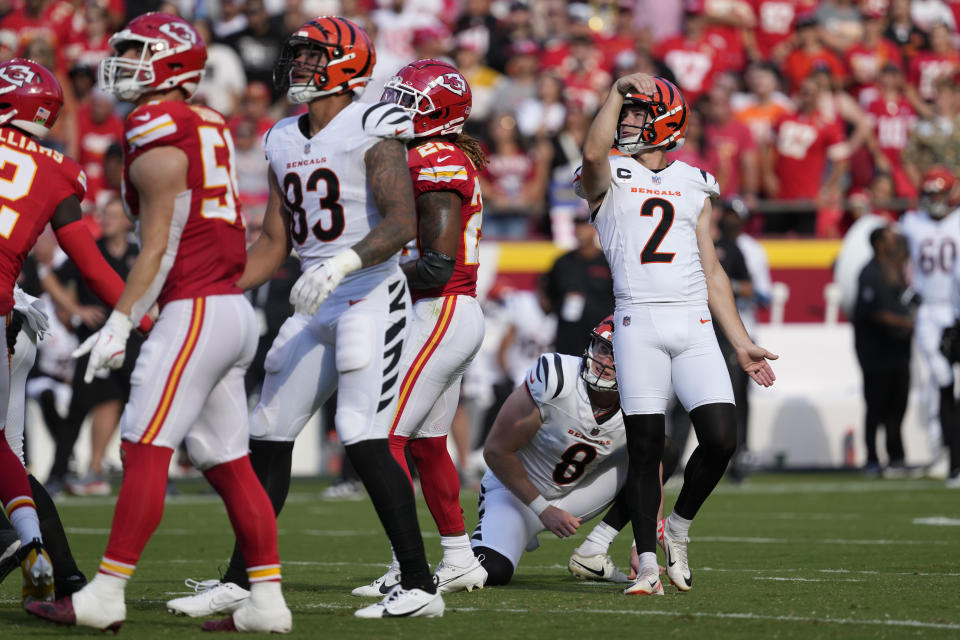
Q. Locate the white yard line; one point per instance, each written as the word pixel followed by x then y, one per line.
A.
pixel 719 615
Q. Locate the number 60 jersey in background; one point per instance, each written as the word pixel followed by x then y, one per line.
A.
pixel 649 218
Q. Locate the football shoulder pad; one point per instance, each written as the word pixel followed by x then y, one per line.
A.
pixel 551 377
pixel 387 120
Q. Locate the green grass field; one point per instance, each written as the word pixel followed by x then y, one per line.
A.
pixel 783 556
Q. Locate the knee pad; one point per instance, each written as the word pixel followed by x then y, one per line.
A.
pixel 354 347
pixel 499 568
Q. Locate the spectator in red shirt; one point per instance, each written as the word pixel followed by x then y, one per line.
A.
pixel 733 147
pixel 511 183
pixel 255 106
pixel 584 73
pixel 893 114
pixel 691 57
pixel 795 164
pixel 40 19
pixel 941 61
pixel 770 40
pixel 808 53
pixel 694 150
pixel 97 128
pixel 865 58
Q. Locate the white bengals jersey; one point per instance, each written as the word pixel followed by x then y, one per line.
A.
pixel 571 443
pixel 647 225
pixel 933 251
pixel 324 181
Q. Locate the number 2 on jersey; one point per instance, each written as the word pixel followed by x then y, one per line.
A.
pixel 16 186
pixel 649 253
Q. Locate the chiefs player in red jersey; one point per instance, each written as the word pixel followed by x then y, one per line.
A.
pixel 447 324
pixel 187 386
pixel 38 185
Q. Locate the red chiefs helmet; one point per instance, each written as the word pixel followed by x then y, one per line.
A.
pixel 665 123
pixel 172 54
pixel 435 94
pixel 598 369
pixel 30 96
pixel 937 191
pixel 346 64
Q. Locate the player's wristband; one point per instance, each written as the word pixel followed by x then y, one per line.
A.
pixel 539 504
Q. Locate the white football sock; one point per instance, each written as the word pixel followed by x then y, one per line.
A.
pixel 107 587
pixel 599 540
pixel 27 524
pixel 677 526
pixel 648 560
pixel 457 550
pixel 266 595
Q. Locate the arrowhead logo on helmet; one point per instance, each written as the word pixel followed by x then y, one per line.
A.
pixel 453 82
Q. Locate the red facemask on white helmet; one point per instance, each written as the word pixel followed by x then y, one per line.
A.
pixel 30 96
pixel 435 95
pixel 598 369
pixel 171 54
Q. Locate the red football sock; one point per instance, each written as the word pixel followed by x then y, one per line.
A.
pixel 251 515
pixel 139 506
pixel 397 446
pixel 15 494
pixel 439 482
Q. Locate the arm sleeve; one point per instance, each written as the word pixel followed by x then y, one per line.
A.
pixel 76 241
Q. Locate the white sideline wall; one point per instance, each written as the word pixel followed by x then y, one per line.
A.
pixel 818 397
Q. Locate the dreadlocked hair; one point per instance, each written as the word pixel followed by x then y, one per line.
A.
pixel 472 148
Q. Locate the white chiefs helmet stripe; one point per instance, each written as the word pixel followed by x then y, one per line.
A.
pixel 152 129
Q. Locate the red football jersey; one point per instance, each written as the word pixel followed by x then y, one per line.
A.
pixel 802 142
pixel 693 63
pixel 927 67
pixel 211 253
pixel 34 180
pixel 775 20
pixel 442 166
pixel 892 122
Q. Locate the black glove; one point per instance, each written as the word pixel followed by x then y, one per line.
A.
pixel 13 329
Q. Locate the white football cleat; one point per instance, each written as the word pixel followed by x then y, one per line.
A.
pixel 404 603
pixel 598 567
pixel 646 584
pixel 953 482
pixel 450 578
pixel 212 597
pixel 678 570
pixel 249 617
pixel 381 586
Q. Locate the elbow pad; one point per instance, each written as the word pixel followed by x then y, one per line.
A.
pixel 434 269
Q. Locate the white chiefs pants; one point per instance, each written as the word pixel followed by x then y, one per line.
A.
pixel 24 355
pixel 187 385
pixel 444 337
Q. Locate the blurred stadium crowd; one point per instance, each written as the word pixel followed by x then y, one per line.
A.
pixel 811 114
pixel 811 111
